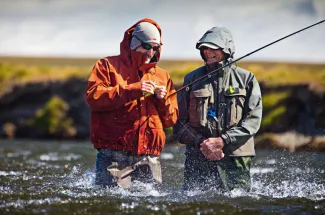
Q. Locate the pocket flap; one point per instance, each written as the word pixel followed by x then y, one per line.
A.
pixel 202 93
pixel 235 91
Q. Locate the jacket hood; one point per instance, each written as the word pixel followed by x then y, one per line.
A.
pixel 136 57
pixel 221 37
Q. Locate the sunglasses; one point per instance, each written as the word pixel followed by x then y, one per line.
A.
pixel 147 46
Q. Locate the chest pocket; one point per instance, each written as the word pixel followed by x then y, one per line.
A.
pixel 199 102
pixel 235 101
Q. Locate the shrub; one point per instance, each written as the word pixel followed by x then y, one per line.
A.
pixel 53 119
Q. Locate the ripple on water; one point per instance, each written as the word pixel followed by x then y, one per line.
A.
pixel 261 170
pixel 10 173
pixel 23 203
pixel 19 154
pixel 56 157
pixel 166 156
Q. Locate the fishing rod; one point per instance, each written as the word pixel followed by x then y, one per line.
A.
pixel 208 75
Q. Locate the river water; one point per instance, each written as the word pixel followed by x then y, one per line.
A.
pixel 54 177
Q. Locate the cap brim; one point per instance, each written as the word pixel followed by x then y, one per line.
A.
pixel 209 45
pixel 152 41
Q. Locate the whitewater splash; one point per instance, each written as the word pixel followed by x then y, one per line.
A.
pixel 270 182
pixel 56 178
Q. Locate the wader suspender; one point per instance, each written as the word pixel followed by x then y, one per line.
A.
pixel 216 103
pixel 220 103
pixel 224 106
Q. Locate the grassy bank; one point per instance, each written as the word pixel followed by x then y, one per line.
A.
pixel 15 70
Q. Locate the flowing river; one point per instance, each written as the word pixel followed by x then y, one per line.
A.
pixel 57 177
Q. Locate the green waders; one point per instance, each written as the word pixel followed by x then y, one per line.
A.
pixel 227 174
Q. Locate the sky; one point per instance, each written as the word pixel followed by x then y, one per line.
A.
pixel 95 28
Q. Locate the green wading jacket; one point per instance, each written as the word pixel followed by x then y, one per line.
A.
pixel 227 105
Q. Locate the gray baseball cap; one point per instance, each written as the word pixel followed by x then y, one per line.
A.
pixel 146 32
pixel 210 45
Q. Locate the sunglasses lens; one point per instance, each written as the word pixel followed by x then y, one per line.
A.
pixel 146 46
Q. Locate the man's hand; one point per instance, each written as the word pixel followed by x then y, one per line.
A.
pixel 148 87
pixel 160 92
pixel 212 148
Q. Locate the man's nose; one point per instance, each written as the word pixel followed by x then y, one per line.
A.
pixel 150 51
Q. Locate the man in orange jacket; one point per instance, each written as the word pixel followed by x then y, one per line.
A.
pixel 128 95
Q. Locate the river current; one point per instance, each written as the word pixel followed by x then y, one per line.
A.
pixel 57 177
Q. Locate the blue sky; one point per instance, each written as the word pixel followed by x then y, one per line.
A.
pixel 95 28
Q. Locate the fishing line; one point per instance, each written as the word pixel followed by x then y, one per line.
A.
pixel 214 72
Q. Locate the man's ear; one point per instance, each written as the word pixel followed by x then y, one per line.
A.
pixel 202 55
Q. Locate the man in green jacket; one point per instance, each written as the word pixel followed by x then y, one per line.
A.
pixel 218 118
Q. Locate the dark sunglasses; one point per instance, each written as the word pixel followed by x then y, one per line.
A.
pixel 147 46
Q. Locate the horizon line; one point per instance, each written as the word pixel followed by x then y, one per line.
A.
pixel 165 59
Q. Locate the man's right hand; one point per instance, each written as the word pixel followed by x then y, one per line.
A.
pixel 148 87
pixel 212 147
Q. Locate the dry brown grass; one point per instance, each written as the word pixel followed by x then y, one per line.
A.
pixel 22 70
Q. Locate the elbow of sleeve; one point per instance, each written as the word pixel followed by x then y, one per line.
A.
pixel 88 101
pixel 92 105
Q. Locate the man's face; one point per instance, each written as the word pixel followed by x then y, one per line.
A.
pixel 148 54
pixel 213 55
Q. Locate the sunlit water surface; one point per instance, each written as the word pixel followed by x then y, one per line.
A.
pixel 55 177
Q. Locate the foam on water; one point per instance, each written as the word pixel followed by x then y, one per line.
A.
pixel 292 188
pixel 55 157
pixel 166 156
pixel 10 173
pixel 24 203
pixel 262 185
pixel 261 170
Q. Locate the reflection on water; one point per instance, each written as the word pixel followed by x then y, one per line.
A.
pixel 58 177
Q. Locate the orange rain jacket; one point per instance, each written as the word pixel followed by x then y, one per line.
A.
pixel 121 117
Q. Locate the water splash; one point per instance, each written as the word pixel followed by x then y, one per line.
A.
pixel 42 181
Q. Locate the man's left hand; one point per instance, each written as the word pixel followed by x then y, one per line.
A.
pixel 160 92
pixel 212 148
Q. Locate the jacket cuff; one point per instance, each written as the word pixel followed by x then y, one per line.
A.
pixel 135 90
pixel 158 101
pixel 198 140
pixel 226 139
pixel 160 104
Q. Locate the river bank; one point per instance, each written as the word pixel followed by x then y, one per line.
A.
pixel 292 116
pixel 43 99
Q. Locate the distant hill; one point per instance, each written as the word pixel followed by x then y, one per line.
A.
pixel 16 70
